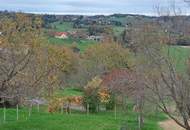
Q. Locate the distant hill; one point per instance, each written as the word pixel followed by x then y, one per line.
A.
pixel 116 21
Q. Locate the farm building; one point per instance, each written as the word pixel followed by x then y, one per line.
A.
pixel 61 35
pixel 95 38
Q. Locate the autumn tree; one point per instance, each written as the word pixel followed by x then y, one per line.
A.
pixel 62 63
pixel 20 36
pixel 99 59
pixel 104 57
pixel 28 65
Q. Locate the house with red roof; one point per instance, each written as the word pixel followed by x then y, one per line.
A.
pixel 61 35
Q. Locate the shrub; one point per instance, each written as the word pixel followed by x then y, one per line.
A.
pixel 95 94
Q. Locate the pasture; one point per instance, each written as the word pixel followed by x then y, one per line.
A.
pixel 79 43
pixel 77 120
pixel 180 56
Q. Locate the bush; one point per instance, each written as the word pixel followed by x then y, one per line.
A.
pixel 91 95
pixel 95 94
pixel 111 104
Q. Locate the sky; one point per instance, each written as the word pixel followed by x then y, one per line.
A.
pixel 90 7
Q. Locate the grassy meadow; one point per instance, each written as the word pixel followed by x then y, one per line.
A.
pixel 180 56
pixel 76 120
pixel 63 27
pixel 81 44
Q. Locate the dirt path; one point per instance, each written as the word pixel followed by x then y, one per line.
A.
pixel 170 125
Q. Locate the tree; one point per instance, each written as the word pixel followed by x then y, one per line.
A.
pixel 102 58
pixel 61 63
pixel 157 72
pixel 20 37
pixel 28 65
pixel 91 96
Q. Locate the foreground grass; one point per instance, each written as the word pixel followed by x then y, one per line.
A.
pixel 75 121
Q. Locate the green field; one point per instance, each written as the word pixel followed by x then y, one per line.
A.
pixel 118 30
pixel 63 27
pixel 69 92
pixel 179 55
pixel 81 44
pixel 74 121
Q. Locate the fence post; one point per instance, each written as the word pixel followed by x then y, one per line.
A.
pixel 62 109
pixel 4 114
pixel 29 112
pixel 115 111
pixel 17 112
pixel 38 107
pixel 87 109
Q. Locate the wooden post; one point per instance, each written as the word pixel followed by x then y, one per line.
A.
pixel 69 109
pixel 17 112
pixel 29 111
pixel 38 107
pixel 4 114
pixel 115 112
pixel 87 109
pixel 62 109
pixel 66 110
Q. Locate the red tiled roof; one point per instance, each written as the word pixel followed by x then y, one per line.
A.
pixel 60 33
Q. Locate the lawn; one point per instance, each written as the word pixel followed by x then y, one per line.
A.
pixel 81 44
pixel 180 56
pixel 63 27
pixel 69 92
pixel 74 121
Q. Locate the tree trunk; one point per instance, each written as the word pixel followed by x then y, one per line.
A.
pixel 140 121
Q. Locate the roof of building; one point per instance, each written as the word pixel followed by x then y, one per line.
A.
pixel 61 33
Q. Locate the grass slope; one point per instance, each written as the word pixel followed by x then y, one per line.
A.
pixel 75 121
pixel 69 92
pixel 63 27
pixel 81 44
pixel 180 56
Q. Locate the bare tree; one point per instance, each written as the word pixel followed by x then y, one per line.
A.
pixel 165 86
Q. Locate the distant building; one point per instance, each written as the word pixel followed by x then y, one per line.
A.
pixel 95 38
pixel 61 35
pixel 79 35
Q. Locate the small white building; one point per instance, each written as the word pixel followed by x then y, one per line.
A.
pixel 95 38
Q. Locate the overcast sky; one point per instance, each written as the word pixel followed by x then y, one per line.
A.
pixel 88 6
